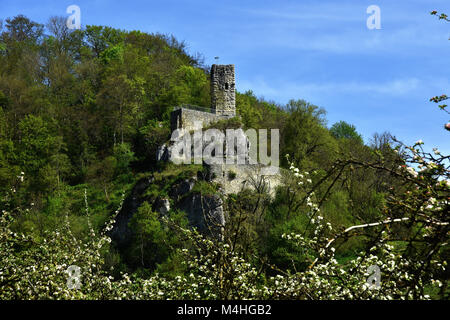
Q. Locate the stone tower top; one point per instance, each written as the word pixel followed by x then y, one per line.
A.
pixel 223 96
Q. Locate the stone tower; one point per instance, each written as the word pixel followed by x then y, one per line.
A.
pixel 223 96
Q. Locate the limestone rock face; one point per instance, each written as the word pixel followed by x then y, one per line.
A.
pixel 182 188
pixel 204 212
pixel 162 154
pixel 121 233
pixel 164 206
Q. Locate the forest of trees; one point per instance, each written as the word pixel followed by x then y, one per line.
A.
pixel 82 114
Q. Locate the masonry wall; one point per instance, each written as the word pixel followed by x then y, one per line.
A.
pixel 223 93
pixel 235 177
pixel 185 118
pixel 232 177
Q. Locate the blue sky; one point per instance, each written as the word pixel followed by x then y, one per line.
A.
pixel 320 51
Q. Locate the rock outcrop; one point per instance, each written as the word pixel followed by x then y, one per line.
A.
pixel 121 233
pixel 204 211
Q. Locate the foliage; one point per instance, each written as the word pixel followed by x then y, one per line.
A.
pixel 317 146
pixel 217 269
pixel 342 129
pixel 82 115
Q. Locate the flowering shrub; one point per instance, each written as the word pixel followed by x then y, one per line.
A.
pixel 406 267
pixel 31 268
pixel 409 266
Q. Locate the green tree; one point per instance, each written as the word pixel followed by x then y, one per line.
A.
pixel 124 156
pixel 41 154
pixel 246 108
pixel 20 28
pixel 344 130
pixel 305 137
pixel 98 38
pixel 8 171
pixel 150 237
pixel 120 98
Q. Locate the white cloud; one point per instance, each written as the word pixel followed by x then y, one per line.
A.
pixel 396 87
pixel 338 28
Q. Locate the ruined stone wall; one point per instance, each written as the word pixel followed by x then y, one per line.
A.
pixel 223 94
pixel 235 177
pixel 185 118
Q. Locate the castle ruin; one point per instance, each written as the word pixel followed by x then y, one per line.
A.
pixel 223 107
pixel 223 102
pixel 223 93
